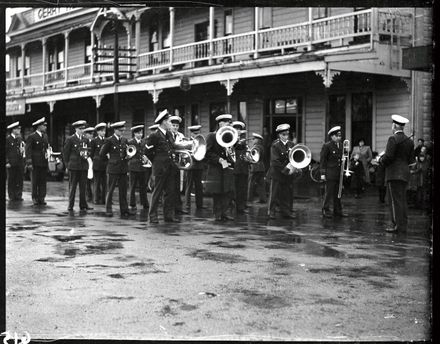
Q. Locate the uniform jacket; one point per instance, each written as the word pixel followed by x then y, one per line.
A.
pixel 36 147
pixel 135 163
pixel 161 155
pixel 241 166
pixel 117 149
pixel 259 166
pixel 399 153
pixel 279 159
pixel 99 164
pixel 72 153
pixel 13 154
pixel 330 160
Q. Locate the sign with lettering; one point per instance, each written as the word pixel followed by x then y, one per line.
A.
pixel 15 107
pixel 41 14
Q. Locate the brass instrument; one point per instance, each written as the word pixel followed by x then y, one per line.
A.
pixel 90 170
pixel 22 149
pixel 183 158
pixel 300 156
pixel 131 151
pixel 252 155
pixel 48 152
pixel 344 165
pixel 227 136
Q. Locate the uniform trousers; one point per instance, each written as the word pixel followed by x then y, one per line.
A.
pixel 331 194
pixel 138 178
pixel 75 178
pixel 89 183
pixel 121 180
pixel 15 182
pixel 281 194
pixel 398 204
pixel 165 183
pixel 99 186
pixel 178 200
pixel 38 180
pixel 221 203
pixel 256 180
pixel 194 177
pixel 241 191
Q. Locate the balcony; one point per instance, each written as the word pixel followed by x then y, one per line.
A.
pixel 362 28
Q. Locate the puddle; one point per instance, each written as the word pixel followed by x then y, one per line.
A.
pixel 66 238
pixel 116 276
pixel 16 228
pixel 265 301
pixel 117 298
pixel 50 259
pixel 225 244
pixel 216 256
pixel 188 307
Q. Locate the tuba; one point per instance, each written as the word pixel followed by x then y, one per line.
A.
pixel 300 156
pixel 184 158
pixel 227 136
pixel 131 151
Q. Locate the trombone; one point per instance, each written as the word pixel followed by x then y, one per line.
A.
pixel 344 165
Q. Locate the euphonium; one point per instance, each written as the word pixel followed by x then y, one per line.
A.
pixel 227 136
pixel 131 151
pixel 300 156
pixel 184 158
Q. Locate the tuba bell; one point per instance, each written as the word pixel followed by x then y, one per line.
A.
pixel 300 156
pixel 131 151
pixel 227 136
pixel 252 155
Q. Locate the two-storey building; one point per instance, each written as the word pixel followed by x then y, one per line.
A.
pixel 310 67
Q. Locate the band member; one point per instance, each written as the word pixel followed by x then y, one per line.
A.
pixel 149 180
pixel 241 169
pixel 257 172
pixel 99 165
pixel 88 135
pixel 76 152
pixel 36 153
pixel 281 172
pixel 178 137
pixel 330 166
pixel 117 168
pixel 164 169
pixel 399 153
pixel 15 162
pixel 194 176
pixel 137 171
pixel 219 179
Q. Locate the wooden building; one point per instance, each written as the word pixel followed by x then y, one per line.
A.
pixel 310 67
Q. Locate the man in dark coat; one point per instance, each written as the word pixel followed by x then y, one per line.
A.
pixel 15 162
pixel 399 153
pixel 117 168
pixel 88 135
pixel 241 169
pixel 194 176
pixel 281 173
pixel 330 165
pixel 37 160
pixel 99 165
pixel 149 180
pixel 137 171
pixel 75 157
pixel 257 172
pixel 161 145
pixel 219 178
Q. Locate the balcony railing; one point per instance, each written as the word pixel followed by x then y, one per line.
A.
pixel 362 27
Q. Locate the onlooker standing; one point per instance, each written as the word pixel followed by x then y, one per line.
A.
pixel 365 156
pixel 422 181
pixel 420 144
pixel 358 174
pixel 15 162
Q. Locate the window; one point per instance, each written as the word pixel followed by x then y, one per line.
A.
pixel 285 110
pixel 361 117
pixel 320 12
pixel 60 59
pixel 51 61
pixel 154 40
pixel 195 119
pixel 242 112
pixel 88 53
pixel 336 112
pixel 265 17
pixel 215 109
pixel 228 23
pixel 27 65
pixel 18 67
pixel 166 38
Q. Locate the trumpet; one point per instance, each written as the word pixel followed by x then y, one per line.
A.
pixel 344 165
pixel 300 156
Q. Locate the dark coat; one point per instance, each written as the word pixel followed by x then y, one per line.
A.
pixel 399 153
pixel 259 166
pixel 330 160
pixel 73 158
pixel 135 163
pixel 117 164
pixel 99 164
pixel 218 180
pixel 241 166
pixel 13 154
pixel 161 155
pixel 36 148
pixel 279 158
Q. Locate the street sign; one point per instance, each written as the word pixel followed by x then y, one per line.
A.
pixel 15 107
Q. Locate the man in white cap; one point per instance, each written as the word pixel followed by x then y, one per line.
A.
pixel 99 165
pixel 241 169
pixel 117 168
pixel 281 173
pixel 164 168
pixel 194 176
pixel 149 180
pixel 76 152
pixel 37 157
pixel 219 176
pixel 399 153
pixel 136 169
pixel 15 162
pixel 88 135
pixel 257 172
pixel 330 168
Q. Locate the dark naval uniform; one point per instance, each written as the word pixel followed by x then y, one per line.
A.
pixel 194 177
pixel 281 185
pixel 99 170
pixel 399 153
pixel 14 157
pixel 164 171
pixel 330 166
pixel 75 157
pixel 256 177
pixel 137 174
pixel 219 180
pixel 117 169
pixel 37 159
pixel 241 175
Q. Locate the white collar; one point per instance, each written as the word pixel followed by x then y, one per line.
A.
pixel 39 133
pixel 162 130
pixel 101 137
pixel 137 140
pixel 398 131
pixel 13 135
pixel 78 136
pixel 117 137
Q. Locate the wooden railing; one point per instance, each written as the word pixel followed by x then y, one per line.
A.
pixel 390 26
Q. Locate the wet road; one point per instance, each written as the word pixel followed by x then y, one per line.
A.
pixel 75 276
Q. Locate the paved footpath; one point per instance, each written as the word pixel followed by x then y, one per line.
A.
pixel 89 276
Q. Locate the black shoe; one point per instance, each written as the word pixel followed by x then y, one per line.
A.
pixel 70 209
pixel 326 214
pixel 125 215
pixel 288 216
pixel 227 218
pixel 242 212
pixel 182 212
pixel 202 207
pixel 170 219
pixel 109 213
pixel 340 214
pixel 262 202
pixel 146 207
pixel 87 208
pixel 42 203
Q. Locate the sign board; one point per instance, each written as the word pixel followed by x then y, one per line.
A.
pixel 417 58
pixel 45 13
pixel 15 107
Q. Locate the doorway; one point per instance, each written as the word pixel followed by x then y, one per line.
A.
pixel 285 110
